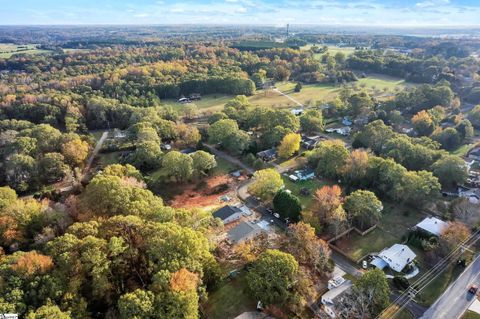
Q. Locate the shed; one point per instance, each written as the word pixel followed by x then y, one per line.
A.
pixel 228 214
pixel 432 225
pixel 243 232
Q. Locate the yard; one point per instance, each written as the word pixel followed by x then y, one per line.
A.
pixel 394 224
pixel 208 104
pixel 471 315
pixel 230 299
pixel 439 285
pixel 311 185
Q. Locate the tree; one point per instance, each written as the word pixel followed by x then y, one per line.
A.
pixel 298 87
pixel 369 296
pixel 178 165
pixel 452 236
pixel 287 205
pixel 266 183
pixel 356 166
pixel 449 138
pixel 330 158
pixel 51 168
pixel 7 197
pixel 147 156
pixel 203 161
pixel 187 135
pixel 465 129
pixel 311 121
pixel 475 116
pixel 423 123
pixel 227 133
pixel 364 208
pixel 340 57
pixel 47 312
pixel 20 172
pixel 307 248
pixel 289 145
pixel 450 171
pixel 272 276
pixel 360 103
pixel 75 151
pixel 136 305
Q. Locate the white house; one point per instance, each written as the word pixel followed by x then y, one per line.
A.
pixel 396 257
pixel 432 225
pixel 334 297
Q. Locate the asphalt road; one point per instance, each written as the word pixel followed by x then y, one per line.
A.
pixel 456 299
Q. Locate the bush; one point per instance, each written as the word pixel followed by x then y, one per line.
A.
pixel 401 282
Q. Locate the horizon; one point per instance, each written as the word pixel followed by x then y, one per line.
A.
pixel 388 14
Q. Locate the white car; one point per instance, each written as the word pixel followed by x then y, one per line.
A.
pixel 364 264
pixel 276 215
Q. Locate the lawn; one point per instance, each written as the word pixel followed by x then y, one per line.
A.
pixel 471 315
pixel 223 167
pixel 463 149
pixel 9 49
pixel 393 225
pixel 438 286
pixel 208 103
pixel 311 185
pixel 382 84
pixel 230 299
pixel 105 159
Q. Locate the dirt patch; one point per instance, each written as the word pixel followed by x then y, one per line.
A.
pixel 205 193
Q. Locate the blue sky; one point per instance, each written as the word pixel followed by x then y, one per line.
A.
pixel 269 12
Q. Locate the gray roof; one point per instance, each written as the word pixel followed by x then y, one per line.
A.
pixel 267 153
pixel 242 230
pixel 226 211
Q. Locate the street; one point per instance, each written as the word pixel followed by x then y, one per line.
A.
pixel 456 299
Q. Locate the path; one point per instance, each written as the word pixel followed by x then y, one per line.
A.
pixel 289 97
pixel 95 151
pixel 229 158
pixel 456 299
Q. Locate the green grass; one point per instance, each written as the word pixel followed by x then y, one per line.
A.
pixel 208 103
pixel 230 299
pixel 471 315
pixel 379 83
pixel 311 185
pixel 393 225
pixel 223 167
pixel 463 149
pixel 438 286
pixel 96 134
pixel 9 49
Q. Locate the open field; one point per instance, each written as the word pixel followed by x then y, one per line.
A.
pixel 380 82
pixel 208 103
pixel 311 185
pixel 9 49
pixel 393 225
pixel 332 50
pixel 230 299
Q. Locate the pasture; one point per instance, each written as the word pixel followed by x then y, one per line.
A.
pixel 9 49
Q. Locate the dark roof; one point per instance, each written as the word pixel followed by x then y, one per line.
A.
pixel 226 211
pixel 242 230
pixel 188 150
pixel 267 153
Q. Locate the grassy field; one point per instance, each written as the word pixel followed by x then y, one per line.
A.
pixel 311 185
pixel 230 299
pixel 438 286
pixel 332 50
pixel 9 49
pixel 393 225
pixel 471 315
pixel 463 149
pixel 223 167
pixel 208 103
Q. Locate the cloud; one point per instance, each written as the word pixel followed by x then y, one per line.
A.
pixel 432 3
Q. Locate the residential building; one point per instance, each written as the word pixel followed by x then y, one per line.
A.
pixel 228 214
pixel 432 225
pixel 267 155
pixel 396 257
pixel 334 297
pixel 243 232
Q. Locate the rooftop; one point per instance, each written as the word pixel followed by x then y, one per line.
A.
pixel 432 225
pixel 397 256
pixel 242 231
pixel 226 211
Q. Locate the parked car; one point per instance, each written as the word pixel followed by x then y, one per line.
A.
pixel 276 215
pixel 364 264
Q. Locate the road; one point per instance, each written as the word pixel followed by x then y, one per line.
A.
pixel 456 300
pixel 229 158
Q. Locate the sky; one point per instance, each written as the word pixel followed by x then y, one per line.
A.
pixel 394 13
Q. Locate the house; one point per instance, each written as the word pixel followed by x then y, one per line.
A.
pixel 297 112
pixel 183 100
pixel 396 257
pixel 267 155
pixel 473 194
pixel 431 225
pixel 346 121
pixel 309 142
pixel 243 232
pixel 334 297
pixel 302 175
pixel 475 154
pixel 345 131
pixel 117 134
pixel 228 214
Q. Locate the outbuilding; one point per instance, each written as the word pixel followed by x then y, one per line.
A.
pixel 432 225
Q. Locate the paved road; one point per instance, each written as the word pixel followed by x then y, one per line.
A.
pixel 415 309
pixel 456 300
